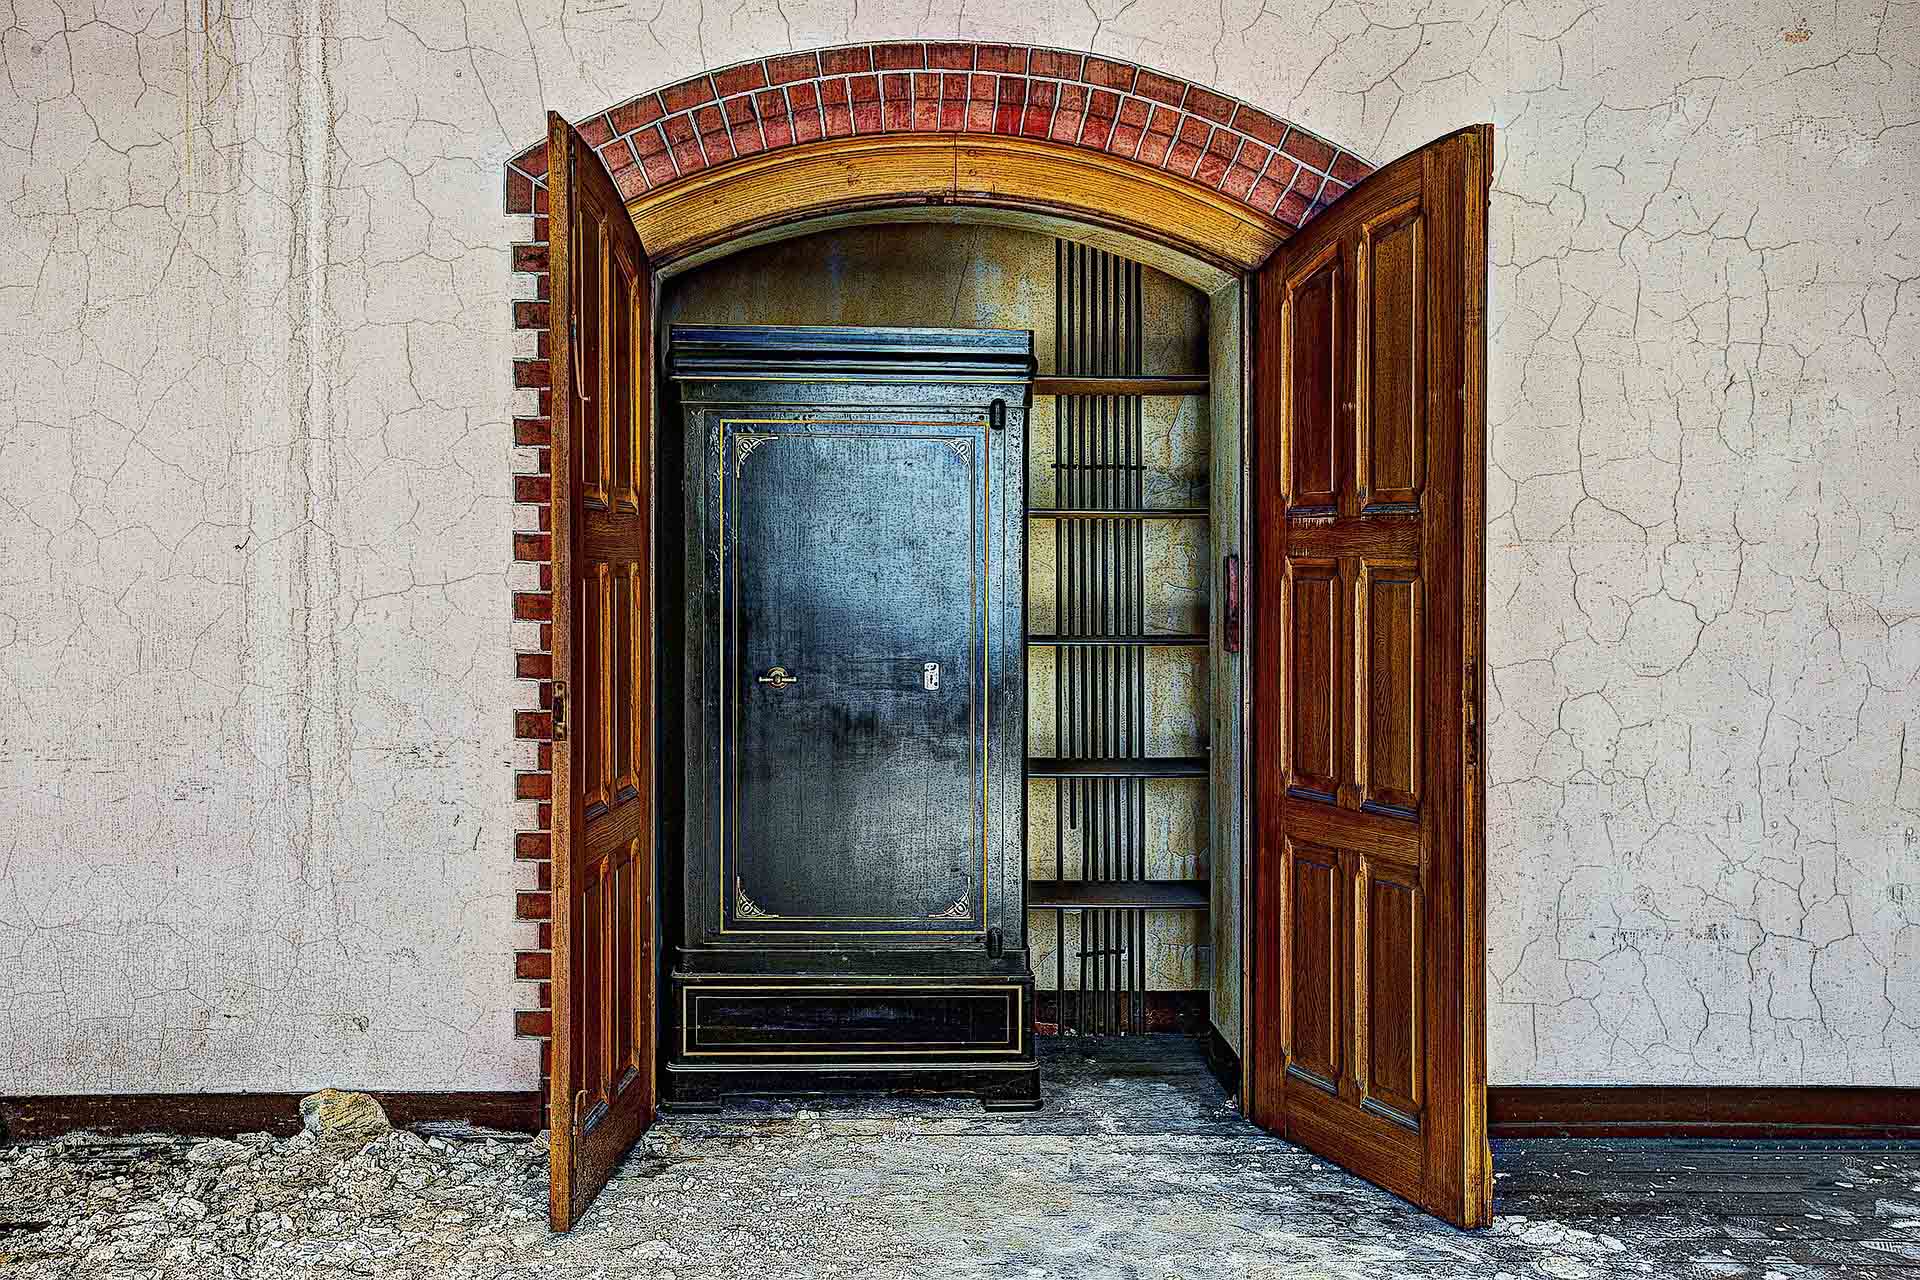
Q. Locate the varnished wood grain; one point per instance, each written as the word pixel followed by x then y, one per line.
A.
pixel 602 1081
pixel 835 176
pixel 1368 457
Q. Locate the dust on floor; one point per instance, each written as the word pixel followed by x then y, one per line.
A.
pixel 1138 1167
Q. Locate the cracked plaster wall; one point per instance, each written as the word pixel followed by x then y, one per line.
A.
pixel 255 752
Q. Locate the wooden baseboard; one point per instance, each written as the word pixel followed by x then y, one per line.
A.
pixel 1714 1111
pixel 1513 1111
pixel 1222 1061
pixel 222 1115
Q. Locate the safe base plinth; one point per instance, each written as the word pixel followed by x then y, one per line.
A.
pixel 698 1089
pixel 930 1033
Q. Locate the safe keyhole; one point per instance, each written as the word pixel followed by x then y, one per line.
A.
pixel 930 676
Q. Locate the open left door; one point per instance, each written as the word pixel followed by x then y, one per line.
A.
pixel 1367 902
pixel 601 1090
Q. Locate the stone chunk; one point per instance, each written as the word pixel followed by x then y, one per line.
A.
pixel 337 1116
pixel 216 1151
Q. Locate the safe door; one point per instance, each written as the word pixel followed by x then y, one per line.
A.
pixel 853 675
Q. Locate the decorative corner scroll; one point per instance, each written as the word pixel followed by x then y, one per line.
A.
pixel 958 911
pixel 746 908
pixel 744 443
pixel 962 446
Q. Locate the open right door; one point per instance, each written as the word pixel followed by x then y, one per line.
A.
pixel 1367 1035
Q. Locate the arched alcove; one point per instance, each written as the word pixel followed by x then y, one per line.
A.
pixel 1172 174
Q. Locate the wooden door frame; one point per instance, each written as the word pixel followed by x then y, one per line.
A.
pixel 1208 237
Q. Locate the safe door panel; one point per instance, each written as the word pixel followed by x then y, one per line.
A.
pixel 853 677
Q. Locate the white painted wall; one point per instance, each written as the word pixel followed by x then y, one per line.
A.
pixel 255 755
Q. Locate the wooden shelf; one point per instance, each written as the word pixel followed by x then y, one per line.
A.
pixel 1193 384
pixel 1153 767
pixel 1160 513
pixel 1115 642
pixel 1136 895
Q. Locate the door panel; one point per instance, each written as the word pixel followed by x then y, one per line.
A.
pixel 1388 683
pixel 601 1091
pixel 1367 957
pixel 1316 599
pixel 1314 936
pixel 1311 394
pixel 1392 391
pixel 855 563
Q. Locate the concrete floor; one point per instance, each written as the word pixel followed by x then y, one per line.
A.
pixel 1138 1166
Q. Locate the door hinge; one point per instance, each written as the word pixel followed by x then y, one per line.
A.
pixel 997 415
pixel 996 944
pixel 559 710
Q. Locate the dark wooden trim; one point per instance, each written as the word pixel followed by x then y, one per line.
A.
pixel 1222 1060
pixel 1154 895
pixel 1711 1111
pixel 208 1115
pixel 1513 1111
pixel 1177 385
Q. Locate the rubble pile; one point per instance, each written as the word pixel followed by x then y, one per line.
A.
pixel 351 1196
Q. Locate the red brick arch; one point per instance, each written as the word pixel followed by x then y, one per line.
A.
pixel 664 136
pixel 1074 99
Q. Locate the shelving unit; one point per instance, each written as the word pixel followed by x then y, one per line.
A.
pixel 1101 644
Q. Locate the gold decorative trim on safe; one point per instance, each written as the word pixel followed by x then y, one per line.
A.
pixel 746 443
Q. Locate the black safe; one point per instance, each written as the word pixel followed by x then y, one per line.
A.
pixel 851 892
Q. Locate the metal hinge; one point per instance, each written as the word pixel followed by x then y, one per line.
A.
pixel 996 944
pixel 559 710
pixel 997 415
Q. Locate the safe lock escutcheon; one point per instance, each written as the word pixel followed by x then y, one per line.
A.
pixel 930 676
pixel 779 678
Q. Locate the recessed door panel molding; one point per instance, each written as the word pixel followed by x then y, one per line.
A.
pixel 601 1085
pixel 625 669
pixel 1390 426
pixel 627 349
pixel 1316 595
pixel 1368 457
pixel 1317 1009
pixel 1387 723
pixel 854 600
pixel 1315 403
pixel 1387 987
pixel 594 693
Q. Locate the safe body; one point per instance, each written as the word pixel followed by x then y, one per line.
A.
pixel 852 891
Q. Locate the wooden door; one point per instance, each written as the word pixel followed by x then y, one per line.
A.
pixel 601 1091
pixel 1368 1022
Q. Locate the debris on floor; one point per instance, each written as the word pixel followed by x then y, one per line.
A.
pixel 1138 1167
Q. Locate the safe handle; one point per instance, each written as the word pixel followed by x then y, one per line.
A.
pixel 779 678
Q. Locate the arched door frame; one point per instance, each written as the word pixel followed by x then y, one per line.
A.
pixel 1169 173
